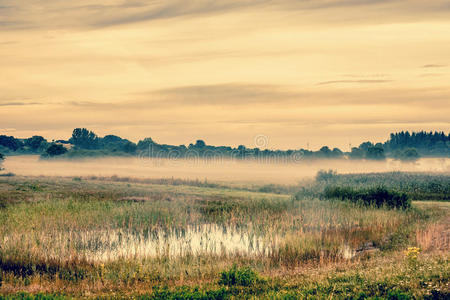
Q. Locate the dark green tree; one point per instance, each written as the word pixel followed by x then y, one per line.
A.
pixel 84 139
pixel 56 149
pixel 357 153
pixel 324 152
pixel 337 153
pixel 35 142
pixel 145 144
pixel 10 142
pixel 129 147
pixel 408 154
pixel 375 153
pixel 200 144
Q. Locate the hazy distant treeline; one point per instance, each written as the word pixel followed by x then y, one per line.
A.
pixel 85 143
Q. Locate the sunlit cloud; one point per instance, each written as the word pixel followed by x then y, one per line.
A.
pixel 225 70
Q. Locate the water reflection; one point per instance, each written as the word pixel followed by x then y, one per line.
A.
pixel 113 244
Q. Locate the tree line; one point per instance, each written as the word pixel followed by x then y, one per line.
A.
pixel 84 143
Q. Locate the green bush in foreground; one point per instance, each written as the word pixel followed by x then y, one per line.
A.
pixel 378 196
pixel 238 276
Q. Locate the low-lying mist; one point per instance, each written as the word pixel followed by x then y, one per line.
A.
pixel 250 171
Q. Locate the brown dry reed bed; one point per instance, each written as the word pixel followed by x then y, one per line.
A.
pixel 85 236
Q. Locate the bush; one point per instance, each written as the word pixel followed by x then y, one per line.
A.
pixel 55 149
pixel 185 293
pixel 378 196
pixel 238 276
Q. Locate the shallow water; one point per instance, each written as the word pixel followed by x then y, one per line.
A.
pixel 113 244
pixel 281 171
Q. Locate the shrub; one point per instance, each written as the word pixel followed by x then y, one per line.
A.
pixel 378 196
pixel 238 276
pixel 55 149
pixel 185 293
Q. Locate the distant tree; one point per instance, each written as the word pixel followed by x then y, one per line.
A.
pixel 357 153
pixel 145 143
pixel 375 153
pixel 85 139
pixel 35 142
pixel 324 152
pixel 56 149
pixel 110 138
pixel 129 147
pixel 425 143
pixel 337 152
pixel 408 154
pixel 2 158
pixel 114 143
pixel 200 144
pixel 10 142
pixel 365 146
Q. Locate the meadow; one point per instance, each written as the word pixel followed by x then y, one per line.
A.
pixel 113 237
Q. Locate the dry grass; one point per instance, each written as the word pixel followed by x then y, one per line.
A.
pixel 93 237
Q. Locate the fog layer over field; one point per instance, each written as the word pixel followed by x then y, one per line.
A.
pixel 284 172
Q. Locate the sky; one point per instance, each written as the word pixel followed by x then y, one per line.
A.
pixel 300 73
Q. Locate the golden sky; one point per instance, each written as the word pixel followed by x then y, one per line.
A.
pixel 299 72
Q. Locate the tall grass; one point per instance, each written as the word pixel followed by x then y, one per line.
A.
pixel 107 233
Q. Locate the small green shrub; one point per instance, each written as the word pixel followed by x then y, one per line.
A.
pixel 238 276
pixel 185 293
pixel 378 196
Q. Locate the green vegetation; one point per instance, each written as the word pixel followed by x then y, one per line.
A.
pixel 181 239
pixel 416 186
pixel 54 150
pixel 378 196
pixel 85 143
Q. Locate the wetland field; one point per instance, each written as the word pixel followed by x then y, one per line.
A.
pixel 119 236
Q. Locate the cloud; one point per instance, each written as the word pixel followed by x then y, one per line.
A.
pixel 354 81
pixel 177 8
pixel 262 96
pixel 222 94
pixel 91 14
pixel 18 103
pixel 434 66
pixel 431 75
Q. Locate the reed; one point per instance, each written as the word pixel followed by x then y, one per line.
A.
pixel 97 236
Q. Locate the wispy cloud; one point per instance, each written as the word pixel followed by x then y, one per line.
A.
pixel 17 103
pixel 222 94
pixel 434 66
pixel 365 81
pixel 89 13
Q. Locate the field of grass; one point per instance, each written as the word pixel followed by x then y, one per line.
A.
pixel 162 239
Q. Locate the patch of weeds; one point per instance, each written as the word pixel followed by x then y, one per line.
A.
pixel 378 196
pixel 186 293
pixel 239 277
pixel 27 296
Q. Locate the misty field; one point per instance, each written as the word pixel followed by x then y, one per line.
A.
pixel 83 237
